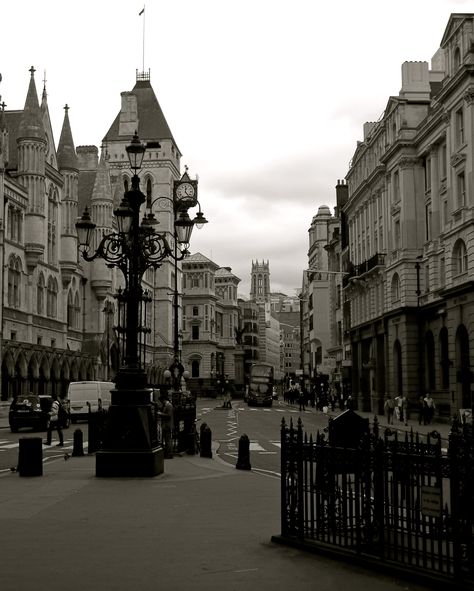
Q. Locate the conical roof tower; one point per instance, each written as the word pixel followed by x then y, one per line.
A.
pixel 67 157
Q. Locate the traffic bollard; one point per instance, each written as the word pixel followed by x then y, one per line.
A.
pixel 78 449
pixel 30 456
pixel 243 460
pixel 206 441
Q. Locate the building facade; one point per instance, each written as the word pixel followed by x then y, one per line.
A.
pixel 58 313
pixel 315 298
pixel 410 235
pixel 210 327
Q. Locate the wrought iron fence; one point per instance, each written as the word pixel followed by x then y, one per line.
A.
pixel 403 501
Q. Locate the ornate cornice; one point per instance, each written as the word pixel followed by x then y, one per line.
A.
pixel 409 161
pixel 468 95
pixel 458 158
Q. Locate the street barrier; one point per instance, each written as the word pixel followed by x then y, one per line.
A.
pixel 30 456
pixel 243 460
pixel 78 448
pixel 206 441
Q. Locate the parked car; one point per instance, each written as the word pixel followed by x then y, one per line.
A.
pixel 30 411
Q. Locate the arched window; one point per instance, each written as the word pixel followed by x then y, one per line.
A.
pixel 125 184
pixel 14 282
pixel 70 309
pixel 77 311
pixel 52 298
pixel 52 225
pixel 149 186
pixel 457 58
pixel 444 357
pixel 430 361
pixel 395 288
pixel 459 258
pixel 40 294
pixel 195 368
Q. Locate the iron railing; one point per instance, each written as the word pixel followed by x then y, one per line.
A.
pixel 403 501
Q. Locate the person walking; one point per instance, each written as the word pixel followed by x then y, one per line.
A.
pixel 166 415
pixel 404 409
pixel 228 391
pixel 302 398
pixel 429 408
pixel 54 424
pixel 421 410
pixel 389 408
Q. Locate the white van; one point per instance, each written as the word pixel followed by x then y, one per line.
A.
pixel 83 394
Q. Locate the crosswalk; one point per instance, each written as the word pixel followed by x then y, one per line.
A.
pixel 260 448
pixel 6 445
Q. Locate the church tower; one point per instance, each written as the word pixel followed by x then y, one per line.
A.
pixel 69 168
pixel 32 147
pixel 141 113
pixel 260 282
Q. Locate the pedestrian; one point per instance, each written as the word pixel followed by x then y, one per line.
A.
pixel 398 407
pixel 421 410
pixel 166 415
pixel 349 403
pixel 429 408
pixel 389 408
pixel 404 409
pixel 302 398
pixel 54 424
pixel 228 391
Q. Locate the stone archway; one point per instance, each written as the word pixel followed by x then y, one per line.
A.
pixel 64 378
pixel 8 376
pixel 463 374
pixel 44 376
pixel 397 368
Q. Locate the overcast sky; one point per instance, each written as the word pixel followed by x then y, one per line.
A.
pixel 266 99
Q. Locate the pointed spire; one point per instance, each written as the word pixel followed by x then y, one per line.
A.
pixel 67 157
pixel 102 186
pixel 31 125
pixel 3 123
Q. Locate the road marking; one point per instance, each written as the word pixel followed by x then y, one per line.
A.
pixel 254 446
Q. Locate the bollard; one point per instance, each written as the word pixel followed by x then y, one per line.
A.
pixel 191 440
pixel 206 441
pixel 30 456
pixel 243 461
pixel 78 449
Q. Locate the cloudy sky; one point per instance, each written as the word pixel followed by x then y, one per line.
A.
pixel 266 99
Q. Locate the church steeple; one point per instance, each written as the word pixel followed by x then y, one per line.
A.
pixel 31 173
pixel 31 124
pixel 67 157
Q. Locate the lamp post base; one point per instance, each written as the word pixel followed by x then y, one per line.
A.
pixel 135 463
pixel 130 444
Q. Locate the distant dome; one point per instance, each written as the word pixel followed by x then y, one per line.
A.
pixel 324 211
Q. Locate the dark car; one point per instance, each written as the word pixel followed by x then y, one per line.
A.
pixel 30 411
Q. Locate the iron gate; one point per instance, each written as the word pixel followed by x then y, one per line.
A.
pixel 405 501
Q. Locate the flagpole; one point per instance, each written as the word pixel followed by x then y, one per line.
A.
pixel 144 15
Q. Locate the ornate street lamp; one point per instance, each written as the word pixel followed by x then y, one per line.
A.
pixel 131 446
pixel 184 197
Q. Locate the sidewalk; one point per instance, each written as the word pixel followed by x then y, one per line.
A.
pixel 200 525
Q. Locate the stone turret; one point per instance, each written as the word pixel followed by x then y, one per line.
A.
pixel 101 213
pixel 31 173
pixel 69 167
pixel 4 151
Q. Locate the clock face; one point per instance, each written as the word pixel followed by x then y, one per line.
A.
pixel 185 191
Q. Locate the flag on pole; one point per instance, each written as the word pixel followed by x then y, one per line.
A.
pixel 141 11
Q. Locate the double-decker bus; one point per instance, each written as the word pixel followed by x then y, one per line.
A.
pixel 260 384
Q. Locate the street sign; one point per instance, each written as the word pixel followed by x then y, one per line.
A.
pixel 431 501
